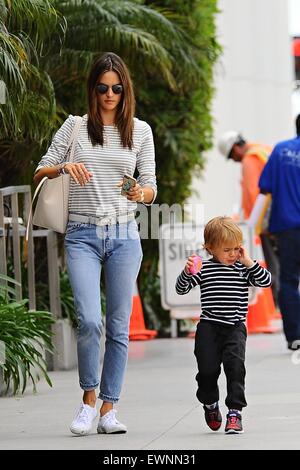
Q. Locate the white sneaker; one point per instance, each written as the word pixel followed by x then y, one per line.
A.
pixel 108 424
pixel 83 421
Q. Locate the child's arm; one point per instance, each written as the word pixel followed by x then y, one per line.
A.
pixel 186 281
pixel 256 276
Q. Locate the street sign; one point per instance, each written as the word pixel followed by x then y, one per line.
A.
pixel 176 243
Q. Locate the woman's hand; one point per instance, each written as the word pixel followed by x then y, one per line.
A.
pixel 135 194
pixel 244 257
pixel 78 172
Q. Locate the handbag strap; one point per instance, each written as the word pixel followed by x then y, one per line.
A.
pixel 73 137
pixel 72 143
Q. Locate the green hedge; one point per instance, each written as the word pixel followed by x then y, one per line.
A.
pixel 182 125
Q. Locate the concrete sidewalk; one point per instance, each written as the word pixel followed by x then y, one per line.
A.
pixel 159 405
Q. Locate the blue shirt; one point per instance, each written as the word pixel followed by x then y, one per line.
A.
pixel 281 178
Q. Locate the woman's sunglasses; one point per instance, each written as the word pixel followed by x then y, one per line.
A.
pixel 102 89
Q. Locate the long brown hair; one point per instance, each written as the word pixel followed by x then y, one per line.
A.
pixel 126 108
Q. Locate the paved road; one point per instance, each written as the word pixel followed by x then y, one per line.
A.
pixel 159 404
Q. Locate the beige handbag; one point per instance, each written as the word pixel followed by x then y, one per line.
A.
pixel 53 195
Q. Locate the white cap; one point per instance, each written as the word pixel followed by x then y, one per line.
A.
pixel 226 142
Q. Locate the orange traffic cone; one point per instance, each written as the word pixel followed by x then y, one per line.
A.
pixel 274 314
pixel 259 317
pixel 137 328
pixel 262 311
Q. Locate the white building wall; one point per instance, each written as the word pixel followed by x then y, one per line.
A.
pixel 253 81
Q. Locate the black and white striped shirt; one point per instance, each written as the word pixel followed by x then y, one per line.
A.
pixel 108 163
pixel 224 289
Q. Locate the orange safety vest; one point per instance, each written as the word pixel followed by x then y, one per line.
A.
pixel 260 151
pixel 253 163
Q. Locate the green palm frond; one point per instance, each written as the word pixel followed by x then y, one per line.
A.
pixel 25 334
pixel 26 115
pixel 26 27
pixel 164 25
pixel 3 11
pixel 132 42
pixel 139 33
pixel 13 61
pixel 38 18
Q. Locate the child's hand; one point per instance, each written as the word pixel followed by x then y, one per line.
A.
pixel 189 264
pixel 244 257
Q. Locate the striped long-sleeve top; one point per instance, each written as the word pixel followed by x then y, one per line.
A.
pixel 101 197
pixel 224 289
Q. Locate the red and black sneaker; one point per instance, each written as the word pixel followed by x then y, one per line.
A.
pixel 213 418
pixel 234 423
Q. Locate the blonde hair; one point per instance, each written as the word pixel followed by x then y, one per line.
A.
pixel 221 231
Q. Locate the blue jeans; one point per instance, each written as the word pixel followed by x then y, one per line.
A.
pixel 289 297
pixel 118 249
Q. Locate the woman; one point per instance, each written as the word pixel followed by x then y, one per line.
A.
pixel 102 230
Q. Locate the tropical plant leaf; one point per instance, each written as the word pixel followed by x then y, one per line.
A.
pixel 25 334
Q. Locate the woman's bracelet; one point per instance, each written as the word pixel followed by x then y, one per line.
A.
pixel 61 169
